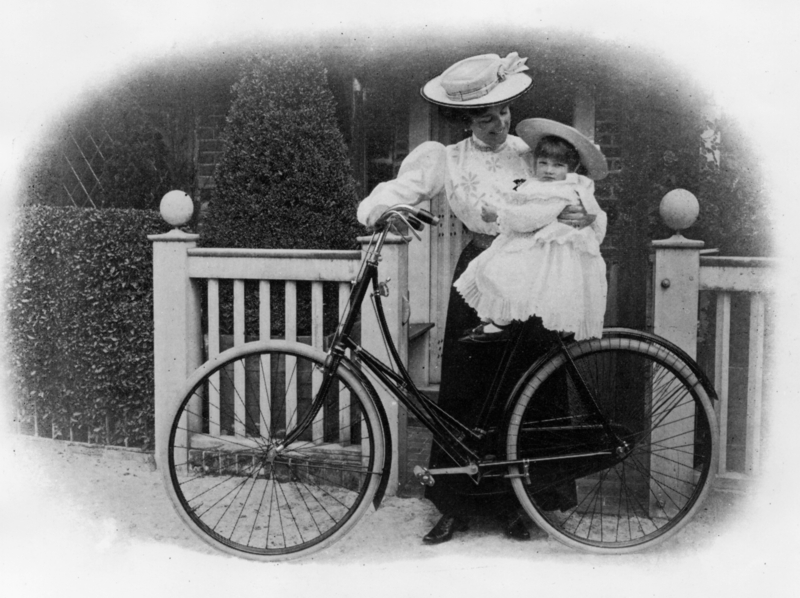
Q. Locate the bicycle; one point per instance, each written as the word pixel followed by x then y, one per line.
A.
pixel 633 436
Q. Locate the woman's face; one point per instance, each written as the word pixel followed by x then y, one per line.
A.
pixel 492 126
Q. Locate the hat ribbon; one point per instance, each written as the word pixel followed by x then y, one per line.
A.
pixel 510 65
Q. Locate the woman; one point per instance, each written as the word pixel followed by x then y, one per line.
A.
pixel 472 174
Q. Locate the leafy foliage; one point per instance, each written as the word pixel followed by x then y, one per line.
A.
pixel 109 154
pixel 661 131
pixel 80 320
pixel 284 178
pixel 734 205
pixel 663 137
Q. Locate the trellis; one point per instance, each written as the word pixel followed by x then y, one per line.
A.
pixel 86 188
pixel 87 146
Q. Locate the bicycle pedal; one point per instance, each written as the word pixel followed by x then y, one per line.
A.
pixel 424 476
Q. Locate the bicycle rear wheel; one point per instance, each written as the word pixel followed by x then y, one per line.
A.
pixel 608 502
pixel 233 488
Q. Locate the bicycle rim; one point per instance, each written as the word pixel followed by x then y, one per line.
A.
pixel 613 502
pixel 239 494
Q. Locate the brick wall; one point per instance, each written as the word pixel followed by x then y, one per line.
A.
pixel 607 120
pixel 208 129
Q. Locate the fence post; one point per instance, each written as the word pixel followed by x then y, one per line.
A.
pixel 675 311
pixel 677 274
pixel 177 332
pixel 393 266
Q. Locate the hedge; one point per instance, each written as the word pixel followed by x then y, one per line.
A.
pixel 284 178
pixel 79 310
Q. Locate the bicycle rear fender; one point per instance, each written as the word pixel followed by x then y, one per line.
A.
pixel 612 333
pixel 387 459
pixel 708 386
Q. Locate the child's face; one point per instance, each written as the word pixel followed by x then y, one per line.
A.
pixel 548 169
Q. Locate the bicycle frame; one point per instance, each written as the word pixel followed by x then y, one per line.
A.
pixel 451 434
pixel 446 429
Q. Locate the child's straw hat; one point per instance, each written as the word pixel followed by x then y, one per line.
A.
pixel 531 130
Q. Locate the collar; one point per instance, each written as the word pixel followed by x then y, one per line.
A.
pixel 485 147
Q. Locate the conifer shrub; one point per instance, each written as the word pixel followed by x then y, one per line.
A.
pixel 284 178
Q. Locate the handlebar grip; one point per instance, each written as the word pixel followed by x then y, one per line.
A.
pixel 415 223
pixel 427 217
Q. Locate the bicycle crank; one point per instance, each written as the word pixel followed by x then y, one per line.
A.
pixel 425 475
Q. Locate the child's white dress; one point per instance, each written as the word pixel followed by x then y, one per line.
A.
pixel 539 266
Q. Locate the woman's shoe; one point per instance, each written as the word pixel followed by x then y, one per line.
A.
pixel 444 528
pixel 516 528
pixel 479 335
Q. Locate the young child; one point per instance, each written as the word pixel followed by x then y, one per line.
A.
pixel 538 266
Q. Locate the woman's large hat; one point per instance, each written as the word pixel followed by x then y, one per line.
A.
pixel 531 130
pixel 479 81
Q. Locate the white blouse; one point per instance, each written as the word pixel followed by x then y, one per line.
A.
pixel 470 173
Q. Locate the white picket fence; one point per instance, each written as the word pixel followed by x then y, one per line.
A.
pixel 181 271
pixel 681 273
pixel 726 276
pixel 269 268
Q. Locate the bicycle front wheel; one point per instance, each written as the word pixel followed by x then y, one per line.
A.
pixel 602 500
pixel 236 485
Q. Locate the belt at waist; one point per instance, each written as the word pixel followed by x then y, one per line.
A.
pixel 481 240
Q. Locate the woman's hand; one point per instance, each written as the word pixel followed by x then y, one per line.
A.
pixel 576 216
pixel 374 214
pixel 488 214
pixel 398 227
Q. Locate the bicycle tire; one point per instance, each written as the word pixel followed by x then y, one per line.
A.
pixel 230 486
pixel 609 503
pixel 632 333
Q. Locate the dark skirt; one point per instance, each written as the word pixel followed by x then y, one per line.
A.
pixel 468 371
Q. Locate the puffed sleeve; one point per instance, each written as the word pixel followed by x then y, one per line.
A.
pixel 585 188
pixel 421 177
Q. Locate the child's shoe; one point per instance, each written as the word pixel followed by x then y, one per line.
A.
pixel 479 335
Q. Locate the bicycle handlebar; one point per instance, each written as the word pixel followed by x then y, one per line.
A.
pixel 416 217
pixel 427 217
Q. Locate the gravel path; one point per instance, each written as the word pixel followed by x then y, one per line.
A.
pixel 97 522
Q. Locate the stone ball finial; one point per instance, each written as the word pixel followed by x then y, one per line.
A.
pixel 176 208
pixel 679 209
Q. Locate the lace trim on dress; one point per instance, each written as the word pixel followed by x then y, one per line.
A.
pixel 584 325
pixel 485 147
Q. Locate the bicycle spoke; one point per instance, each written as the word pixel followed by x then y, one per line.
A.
pixel 215 486
pixel 620 501
pixel 258 511
pixel 251 493
pixel 237 397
